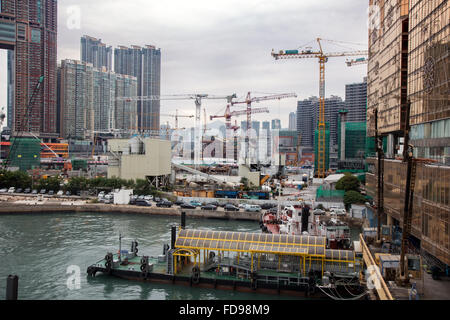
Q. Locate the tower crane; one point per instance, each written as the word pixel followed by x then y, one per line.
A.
pixel 323 59
pixel 198 107
pixel 355 62
pixel 228 115
pixel 248 101
pixel 176 116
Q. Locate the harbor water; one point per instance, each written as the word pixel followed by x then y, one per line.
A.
pixel 47 251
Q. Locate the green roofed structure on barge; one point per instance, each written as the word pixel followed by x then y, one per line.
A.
pixel 267 263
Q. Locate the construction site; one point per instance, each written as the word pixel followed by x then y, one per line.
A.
pixel 397 158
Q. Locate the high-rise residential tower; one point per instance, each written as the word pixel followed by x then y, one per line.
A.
pixel 76 99
pixel 29 28
pixel 356 101
pixel 276 124
pixel 144 63
pixel 87 100
pixel 292 121
pixel 308 115
pixel 95 52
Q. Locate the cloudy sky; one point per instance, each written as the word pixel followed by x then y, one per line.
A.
pixel 220 47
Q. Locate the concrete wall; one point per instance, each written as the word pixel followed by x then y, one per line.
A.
pixel 155 162
pixel 253 177
pixel 117 145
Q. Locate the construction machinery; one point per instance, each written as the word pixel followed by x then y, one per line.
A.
pixel 229 114
pixel 356 62
pixel 176 116
pixel 248 101
pixel 308 53
pixel 198 107
pixel 26 118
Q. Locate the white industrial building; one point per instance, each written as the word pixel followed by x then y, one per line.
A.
pixel 140 158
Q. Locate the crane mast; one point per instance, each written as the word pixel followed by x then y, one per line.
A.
pixel 248 101
pixel 323 59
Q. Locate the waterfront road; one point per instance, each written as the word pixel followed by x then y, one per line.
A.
pixel 19 204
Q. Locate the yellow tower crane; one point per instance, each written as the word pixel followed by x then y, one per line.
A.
pixel 323 58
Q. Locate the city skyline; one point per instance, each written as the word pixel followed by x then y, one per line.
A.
pixel 204 55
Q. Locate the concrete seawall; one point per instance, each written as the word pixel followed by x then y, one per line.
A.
pixel 11 208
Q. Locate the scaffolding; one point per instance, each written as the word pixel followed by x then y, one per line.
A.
pixel 26 154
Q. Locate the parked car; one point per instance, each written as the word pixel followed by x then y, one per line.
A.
pixel 34 191
pixel 51 192
pixel 43 191
pixel 164 204
pixel 253 208
pixel 214 203
pixel 12 190
pixel 68 193
pixel 339 212
pixel 187 206
pixel 27 190
pixel 109 197
pixel 243 206
pixel 230 207
pixel 3 190
pixel 148 198
pixel 20 190
pixel 319 212
pixel 178 202
pixel 143 203
pixel 196 203
pixel 209 207
pixel 60 193
pixel 267 206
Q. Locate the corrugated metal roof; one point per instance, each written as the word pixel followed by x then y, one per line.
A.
pixel 251 242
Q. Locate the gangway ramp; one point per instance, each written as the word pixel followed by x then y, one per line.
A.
pixel 374 272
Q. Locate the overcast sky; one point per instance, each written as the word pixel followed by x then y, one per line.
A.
pixel 222 47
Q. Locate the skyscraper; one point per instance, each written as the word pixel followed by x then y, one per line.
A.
pixel 95 52
pixel 145 65
pixel 409 61
pixel 306 111
pixel 76 99
pixel 125 112
pixel 87 101
pixel 356 101
pixel 30 29
pixel 292 121
pixel 104 87
pixel 276 124
pixel 308 116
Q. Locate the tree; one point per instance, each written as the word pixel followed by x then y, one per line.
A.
pixel 348 183
pixel 16 179
pixel 353 197
pixel 51 183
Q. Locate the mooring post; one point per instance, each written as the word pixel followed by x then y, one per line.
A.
pixel 183 220
pixel 174 237
pixel 12 287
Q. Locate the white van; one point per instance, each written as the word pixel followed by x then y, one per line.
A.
pixel 253 208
